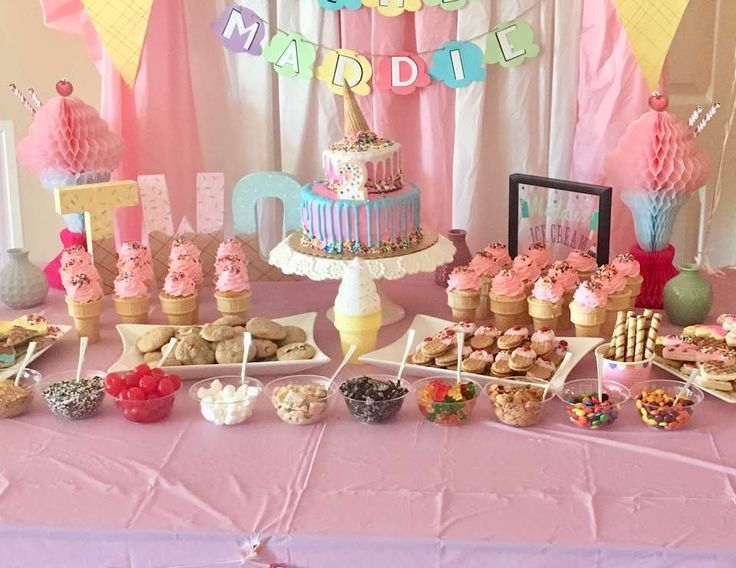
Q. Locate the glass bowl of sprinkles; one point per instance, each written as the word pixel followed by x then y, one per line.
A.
pixel 71 399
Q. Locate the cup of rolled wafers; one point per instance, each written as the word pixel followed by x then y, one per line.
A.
pixel 627 357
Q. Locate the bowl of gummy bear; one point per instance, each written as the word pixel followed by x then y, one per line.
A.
pixel 143 395
pixel 445 401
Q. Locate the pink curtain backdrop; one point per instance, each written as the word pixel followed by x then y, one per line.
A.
pixel 158 119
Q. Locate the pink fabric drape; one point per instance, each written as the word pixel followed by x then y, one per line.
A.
pixel 611 94
pixel 156 118
pixel 425 121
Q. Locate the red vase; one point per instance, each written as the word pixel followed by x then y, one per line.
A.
pixel 657 269
pixel 462 257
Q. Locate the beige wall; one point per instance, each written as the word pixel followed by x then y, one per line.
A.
pixel 35 56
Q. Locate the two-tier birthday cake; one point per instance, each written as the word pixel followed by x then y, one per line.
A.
pixel 362 207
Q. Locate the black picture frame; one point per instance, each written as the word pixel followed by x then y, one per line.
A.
pixel 604 208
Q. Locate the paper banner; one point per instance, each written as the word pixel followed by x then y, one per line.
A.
pixel 210 202
pixel 449 5
pixel 343 65
pixel 241 30
pixel 651 26
pixel 402 73
pixel 121 26
pixel 394 7
pixel 457 64
pixel 291 55
pixel 156 205
pixel 340 4
pixel 509 44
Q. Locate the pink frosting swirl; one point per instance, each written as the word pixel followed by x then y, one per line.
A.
pixel 129 249
pixel 130 285
pixel 611 279
pixel 543 335
pixel 76 265
pixel 487 330
pixel 507 283
pixel 590 295
pixel 228 260
pixel 518 331
pixel 500 252
pixel 230 247
pixel 76 251
pixel 485 264
pixel 187 265
pixel 565 274
pixel 540 254
pixel 463 278
pixel 233 279
pixel 526 268
pixel 184 247
pixel 82 289
pixel 548 290
pixel 582 261
pixel 138 264
pixel 627 265
pixel 179 285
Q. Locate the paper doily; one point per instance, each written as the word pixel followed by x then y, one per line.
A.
pixel 291 261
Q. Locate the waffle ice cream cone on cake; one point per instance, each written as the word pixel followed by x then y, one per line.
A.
pixel 358 309
pixel 179 299
pixel 629 267
pixel 131 299
pixel 588 309
pixel 508 299
pixel 545 303
pixel 463 293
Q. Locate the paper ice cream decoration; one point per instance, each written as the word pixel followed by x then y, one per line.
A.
pixel 254 187
pixel 458 64
pixel 394 7
pixel 210 202
pixel 344 65
pixel 510 44
pixel 449 5
pixel 156 206
pixel 241 30
pixel 291 55
pixel 352 187
pixel 340 4
pixel 402 73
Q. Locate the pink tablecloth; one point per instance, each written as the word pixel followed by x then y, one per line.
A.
pixel 108 493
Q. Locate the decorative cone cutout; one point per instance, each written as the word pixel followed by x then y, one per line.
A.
pixel 354 120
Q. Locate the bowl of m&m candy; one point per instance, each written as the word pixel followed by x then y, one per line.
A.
pixel 143 395
pixel 445 401
pixel 655 402
pixel 586 408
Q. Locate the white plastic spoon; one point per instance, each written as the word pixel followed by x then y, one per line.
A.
pixel 247 339
pixel 345 361
pixel 166 352
pixel 409 345
pixel 460 345
pixel 83 342
pixel 26 360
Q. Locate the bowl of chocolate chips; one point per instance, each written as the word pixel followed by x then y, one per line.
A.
pixel 376 399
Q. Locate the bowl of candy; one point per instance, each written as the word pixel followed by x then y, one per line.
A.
pixel 586 409
pixel 226 400
pixel 521 404
pixel 376 399
pixel 16 399
pixel 302 399
pixel 143 395
pixel 655 402
pixel 73 399
pixel 443 400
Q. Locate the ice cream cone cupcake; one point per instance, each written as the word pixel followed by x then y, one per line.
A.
pixel 584 263
pixel 614 284
pixel 358 309
pixel 545 303
pixel 232 290
pixel 486 266
pixel 629 267
pixel 136 258
pixel 541 255
pixel 84 299
pixel 588 309
pixel 527 270
pixel 567 277
pixel 508 299
pixel 500 253
pixel 463 293
pixel 179 299
pixel 131 299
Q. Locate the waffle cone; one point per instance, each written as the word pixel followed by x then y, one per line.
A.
pixel 354 120
pixel 564 321
pixel 587 322
pixel 86 318
pixel 634 286
pixel 233 303
pixel 484 309
pixel 132 310
pixel 508 310
pixel 544 313
pixel 616 303
pixel 464 304
pixel 180 311
pixel 361 331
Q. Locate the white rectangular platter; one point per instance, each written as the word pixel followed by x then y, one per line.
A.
pixel 389 357
pixel 10 371
pixel 131 357
pixel 728 396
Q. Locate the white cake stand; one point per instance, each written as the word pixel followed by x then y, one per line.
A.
pixel 292 261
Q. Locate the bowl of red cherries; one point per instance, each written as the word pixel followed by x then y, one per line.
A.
pixel 143 395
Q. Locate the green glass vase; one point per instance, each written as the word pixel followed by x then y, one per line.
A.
pixel 688 297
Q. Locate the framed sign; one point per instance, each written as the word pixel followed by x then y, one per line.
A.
pixel 566 215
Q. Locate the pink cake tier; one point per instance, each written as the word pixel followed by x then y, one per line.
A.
pixel 380 156
pixel 382 224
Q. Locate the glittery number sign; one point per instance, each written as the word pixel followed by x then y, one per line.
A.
pixel 156 205
pixel 210 202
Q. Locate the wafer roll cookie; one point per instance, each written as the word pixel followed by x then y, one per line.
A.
pixel 641 338
pixel 621 339
pixel 630 338
pixel 616 330
pixel 648 313
pixel 652 335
